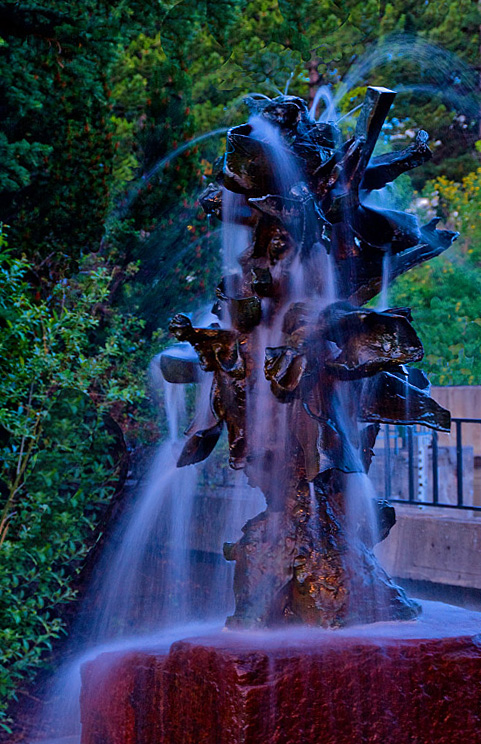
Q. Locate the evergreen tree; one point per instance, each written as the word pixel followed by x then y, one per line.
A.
pixel 56 134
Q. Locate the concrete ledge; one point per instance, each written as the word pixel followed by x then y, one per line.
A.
pixel 434 544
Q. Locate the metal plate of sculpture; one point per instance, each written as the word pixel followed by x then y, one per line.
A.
pixel 303 375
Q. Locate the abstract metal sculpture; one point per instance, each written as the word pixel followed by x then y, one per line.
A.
pixel 303 376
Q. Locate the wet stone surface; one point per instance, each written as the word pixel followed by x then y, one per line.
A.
pixel 396 684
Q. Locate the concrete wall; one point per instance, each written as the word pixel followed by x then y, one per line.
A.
pixel 464 401
pixel 432 544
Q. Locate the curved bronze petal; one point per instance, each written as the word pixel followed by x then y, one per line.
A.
pixel 262 282
pixel 245 312
pixel 370 341
pixel 200 445
pixel 284 368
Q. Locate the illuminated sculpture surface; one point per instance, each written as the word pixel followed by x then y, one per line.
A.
pixel 303 375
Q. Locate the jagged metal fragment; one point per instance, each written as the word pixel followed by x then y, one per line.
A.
pixel 386 227
pixel 369 341
pixel 371 118
pixel 385 168
pixel 217 347
pixel 211 200
pixel 361 279
pixel 389 399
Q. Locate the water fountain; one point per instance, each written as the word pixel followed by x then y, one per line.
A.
pixel 303 374
pixel 335 371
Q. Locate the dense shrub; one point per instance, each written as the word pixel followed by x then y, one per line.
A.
pixel 65 367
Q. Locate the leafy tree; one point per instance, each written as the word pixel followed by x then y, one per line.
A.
pixel 99 103
pixel 459 205
pixel 56 133
pixel 445 294
pixel 445 299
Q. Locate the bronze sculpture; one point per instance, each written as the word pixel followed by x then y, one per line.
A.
pixel 303 376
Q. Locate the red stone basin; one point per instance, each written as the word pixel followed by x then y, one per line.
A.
pixel 411 683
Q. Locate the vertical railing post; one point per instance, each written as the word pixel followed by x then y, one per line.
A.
pixel 410 462
pixel 459 462
pixel 435 468
pixel 387 463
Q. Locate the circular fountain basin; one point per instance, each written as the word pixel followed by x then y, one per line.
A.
pixel 415 682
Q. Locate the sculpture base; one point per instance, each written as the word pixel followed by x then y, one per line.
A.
pixel 396 683
pixel 306 565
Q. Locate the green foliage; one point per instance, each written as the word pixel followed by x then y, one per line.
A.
pixel 63 371
pixel 459 204
pixel 161 230
pixel 445 297
pixel 57 144
pixel 50 525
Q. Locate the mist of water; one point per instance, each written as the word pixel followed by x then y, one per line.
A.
pixel 443 72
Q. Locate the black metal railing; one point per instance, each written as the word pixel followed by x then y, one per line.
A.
pixel 399 446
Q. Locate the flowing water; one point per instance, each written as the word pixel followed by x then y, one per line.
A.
pixel 441 72
pixel 383 302
pixel 285 169
pixel 140 183
pixel 235 236
pixel 144 592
